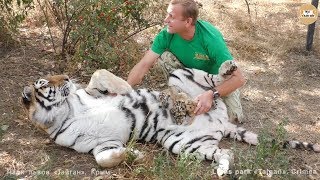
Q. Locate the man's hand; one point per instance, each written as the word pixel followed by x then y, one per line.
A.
pixel 205 101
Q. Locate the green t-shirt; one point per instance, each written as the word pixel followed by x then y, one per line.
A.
pixel 206 51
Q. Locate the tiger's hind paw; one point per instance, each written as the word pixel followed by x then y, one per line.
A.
pixel 223 168
pixel 227 68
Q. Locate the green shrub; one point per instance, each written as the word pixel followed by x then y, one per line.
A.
pixel 95 31
pixel 11 15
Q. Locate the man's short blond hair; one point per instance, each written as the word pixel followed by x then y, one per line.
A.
pixel 190 9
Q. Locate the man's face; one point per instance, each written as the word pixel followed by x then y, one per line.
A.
pixel 174 20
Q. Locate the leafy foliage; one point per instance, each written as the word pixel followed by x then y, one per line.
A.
pixel 11 15
pixel 94 30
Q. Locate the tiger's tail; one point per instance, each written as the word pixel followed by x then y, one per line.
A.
pixel 294 144
pixel 241 134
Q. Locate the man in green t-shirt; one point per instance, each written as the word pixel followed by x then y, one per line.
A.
pixel 196 44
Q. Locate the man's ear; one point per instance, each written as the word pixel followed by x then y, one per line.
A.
pixel 189 20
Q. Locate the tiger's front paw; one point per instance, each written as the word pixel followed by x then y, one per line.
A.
pixel 227 68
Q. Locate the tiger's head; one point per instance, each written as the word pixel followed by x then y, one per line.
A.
pixel 45 94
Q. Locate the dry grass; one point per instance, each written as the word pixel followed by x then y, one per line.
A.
pixel 283 83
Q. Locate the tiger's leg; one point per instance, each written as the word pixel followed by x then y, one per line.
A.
pixel 203 144
pixel 112 153
pixel 232 101
pixel 241 134
pixel 168 63
pixel 104 83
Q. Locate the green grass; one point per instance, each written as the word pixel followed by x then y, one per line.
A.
pixel 184 166
pixel 267 159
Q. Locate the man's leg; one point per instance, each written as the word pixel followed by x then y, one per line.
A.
pixel 234 107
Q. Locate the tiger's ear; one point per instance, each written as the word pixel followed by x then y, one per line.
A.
pixel 26 96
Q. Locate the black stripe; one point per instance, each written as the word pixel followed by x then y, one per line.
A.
pixel 41 95
pixel 145 108
pixel 188 70
pixel 177 135
pixel 105 92
pixel 286 144
pixel 79 99
pixel 48 108
pixel 220 133
pixel 214 152
pixel 165 113
pixel 75 140
pixel 206 158
pixel 90 151
pixel 227 135
pixel 211 86
pixel 130 97
pixel 212 81
pixel 138 92
pixel 155 121
pixel 174 76
pixel 129 114
pixel 168 137
pixel 242 134
pixel 144 126
pixel 190 77
pixel 62 124
pixel 155 136
pixel 194 149
pixel 167 131
pixel 209 138
pixel 198 84
pixel 53 131
pixel 107 148
pixel 310 146
pixel 299 145
pixel 173 144
pixel 145 135
pixel 196 139
pixel 153 95
pixel 61 131
pixel 86 92
pixel 218 119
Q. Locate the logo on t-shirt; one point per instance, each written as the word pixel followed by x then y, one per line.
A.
pixel 200 56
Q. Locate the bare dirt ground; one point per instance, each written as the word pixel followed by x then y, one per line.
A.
pixel 283 83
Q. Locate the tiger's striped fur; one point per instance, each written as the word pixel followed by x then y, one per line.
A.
pixel 103 124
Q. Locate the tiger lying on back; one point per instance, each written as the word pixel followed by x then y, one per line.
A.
pixel 96 120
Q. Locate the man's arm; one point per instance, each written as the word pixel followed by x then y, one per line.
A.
pixel 140 69
pixel 236 81
pixel 205 99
